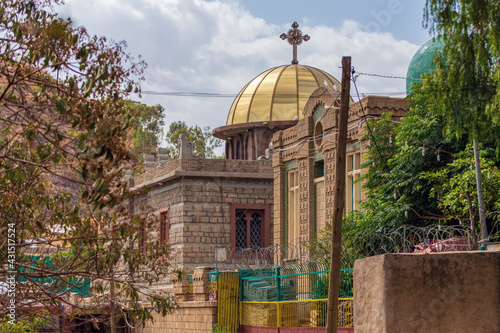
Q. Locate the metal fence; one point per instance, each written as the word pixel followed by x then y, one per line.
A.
pixel 304 313
pixel 294 295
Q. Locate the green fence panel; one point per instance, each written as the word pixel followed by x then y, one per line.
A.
pixel 294 281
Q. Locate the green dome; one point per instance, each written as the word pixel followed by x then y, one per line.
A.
pixel 422 61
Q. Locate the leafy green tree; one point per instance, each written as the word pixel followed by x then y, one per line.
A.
pixel 464 85
pixel 64 123
pixel 148 132
pixel 203 140
pixel 457 182
pixel 396 194
pixel 412 177
pixel 398 153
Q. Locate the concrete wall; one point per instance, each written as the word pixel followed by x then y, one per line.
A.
pixel 440 292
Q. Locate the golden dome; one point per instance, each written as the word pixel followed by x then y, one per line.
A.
pixel 278 94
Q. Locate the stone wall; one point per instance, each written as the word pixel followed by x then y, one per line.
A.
pixel 193 317
pixel 439 292
pixel 196 311
pixel 308 142
pixel 199 194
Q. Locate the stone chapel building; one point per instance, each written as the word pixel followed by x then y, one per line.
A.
pixel 275 184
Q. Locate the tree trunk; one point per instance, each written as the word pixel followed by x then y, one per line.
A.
pixel 472 221
pixel 480 198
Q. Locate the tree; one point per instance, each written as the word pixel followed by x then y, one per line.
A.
pixel 456 183
pixel 64 121
pixel 415 176
pixel 464 85
pixel 28 324
pixel 203 140
pixel 148 132
pixel 396 195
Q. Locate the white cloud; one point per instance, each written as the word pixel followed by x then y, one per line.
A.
pixel 218 46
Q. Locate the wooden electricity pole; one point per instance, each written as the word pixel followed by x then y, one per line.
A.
pixel 338 204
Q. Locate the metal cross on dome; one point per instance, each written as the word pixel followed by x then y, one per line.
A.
pixel 294 37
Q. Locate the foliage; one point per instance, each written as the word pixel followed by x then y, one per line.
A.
pixel 27 324
pixel 203 140
pixel 63 143
pixel 146 136
pixel 459 178
pixel 395 192
pixel 464 85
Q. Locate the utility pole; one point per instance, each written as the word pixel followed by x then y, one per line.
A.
pixel 338 204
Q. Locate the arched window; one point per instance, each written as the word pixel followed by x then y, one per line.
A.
pixel 229 150
pixel 264 142
pixel 238 150
pixel 249 151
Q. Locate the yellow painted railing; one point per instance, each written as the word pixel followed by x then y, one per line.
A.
pixel 228 289
pixel 306 313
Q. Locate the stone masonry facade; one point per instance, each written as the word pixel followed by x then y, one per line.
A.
pixel 310 146
pixel 199 195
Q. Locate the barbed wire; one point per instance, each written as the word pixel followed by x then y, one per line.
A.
pixel 405 239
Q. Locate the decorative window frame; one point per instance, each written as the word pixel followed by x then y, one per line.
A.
pixel 291 221
pixel 353 191
pixel 164 226
pixel 265 227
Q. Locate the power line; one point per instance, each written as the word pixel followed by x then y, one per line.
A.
pixel 220 95
pixel 186 94
pixel 389 76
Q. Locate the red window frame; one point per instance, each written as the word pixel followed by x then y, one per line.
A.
pixel 164 225
pixel 264 228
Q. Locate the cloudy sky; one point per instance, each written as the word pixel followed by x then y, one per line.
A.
pixel 217 46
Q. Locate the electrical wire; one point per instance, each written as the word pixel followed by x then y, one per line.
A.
pixel 390 76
